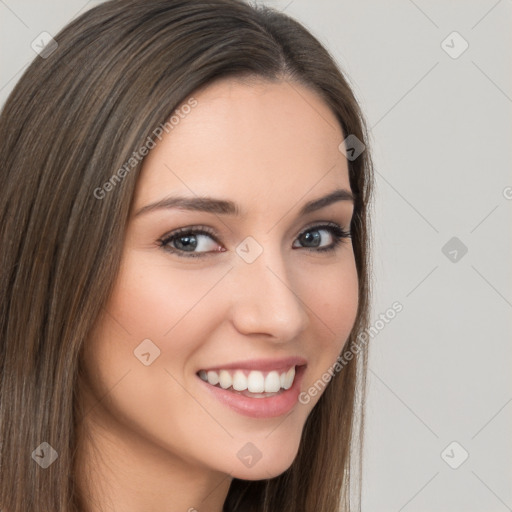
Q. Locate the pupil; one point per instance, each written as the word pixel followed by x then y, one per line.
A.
pixel 314 238
pixel 188 243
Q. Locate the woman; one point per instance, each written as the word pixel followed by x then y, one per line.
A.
pixel 184 206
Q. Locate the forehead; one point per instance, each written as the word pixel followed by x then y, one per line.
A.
pixel 257 139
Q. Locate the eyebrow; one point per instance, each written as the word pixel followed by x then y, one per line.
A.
pixel 225 207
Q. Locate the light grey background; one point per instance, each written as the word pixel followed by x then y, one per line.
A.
pixel 441 132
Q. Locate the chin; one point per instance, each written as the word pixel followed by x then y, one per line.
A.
pixel 264 470
pixel 273 461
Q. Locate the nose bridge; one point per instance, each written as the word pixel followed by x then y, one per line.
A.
pixel 266 301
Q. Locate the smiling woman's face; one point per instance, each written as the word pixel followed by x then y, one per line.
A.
pixel 260 292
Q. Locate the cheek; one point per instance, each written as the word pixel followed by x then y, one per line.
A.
pixel 334 300
pixel 158 302
pixel 170 308
pixel 332 305
pixel 341 297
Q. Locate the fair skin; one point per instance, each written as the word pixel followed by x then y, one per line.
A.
pixel 162 441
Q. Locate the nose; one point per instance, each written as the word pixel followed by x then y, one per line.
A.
pixel 265 300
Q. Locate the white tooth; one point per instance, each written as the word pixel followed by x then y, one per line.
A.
pixel 282 379
pixel 202 375
pixel 256 382
pixel 239 381
pixel 272 382
pixel 213 377
pixel 225 379
pixel 290 375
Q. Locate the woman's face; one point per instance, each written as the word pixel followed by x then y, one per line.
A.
pixel 244 298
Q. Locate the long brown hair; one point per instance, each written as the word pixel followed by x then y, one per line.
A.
pixel 75 117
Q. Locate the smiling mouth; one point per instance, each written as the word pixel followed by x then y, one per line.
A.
pixel 250 383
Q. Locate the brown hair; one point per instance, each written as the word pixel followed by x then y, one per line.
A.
pixel 73 119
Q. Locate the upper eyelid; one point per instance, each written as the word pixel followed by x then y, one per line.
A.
pixel 193 229
pixel 212 231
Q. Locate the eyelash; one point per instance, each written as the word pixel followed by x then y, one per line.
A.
pixel 334 229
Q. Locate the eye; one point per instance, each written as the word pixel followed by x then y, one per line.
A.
pixel 194 242
pixel 314 241
pixel 185 241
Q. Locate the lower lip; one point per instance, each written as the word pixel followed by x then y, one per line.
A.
pixel 270 407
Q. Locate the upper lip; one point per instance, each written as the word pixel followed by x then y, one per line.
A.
pixel 260 364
